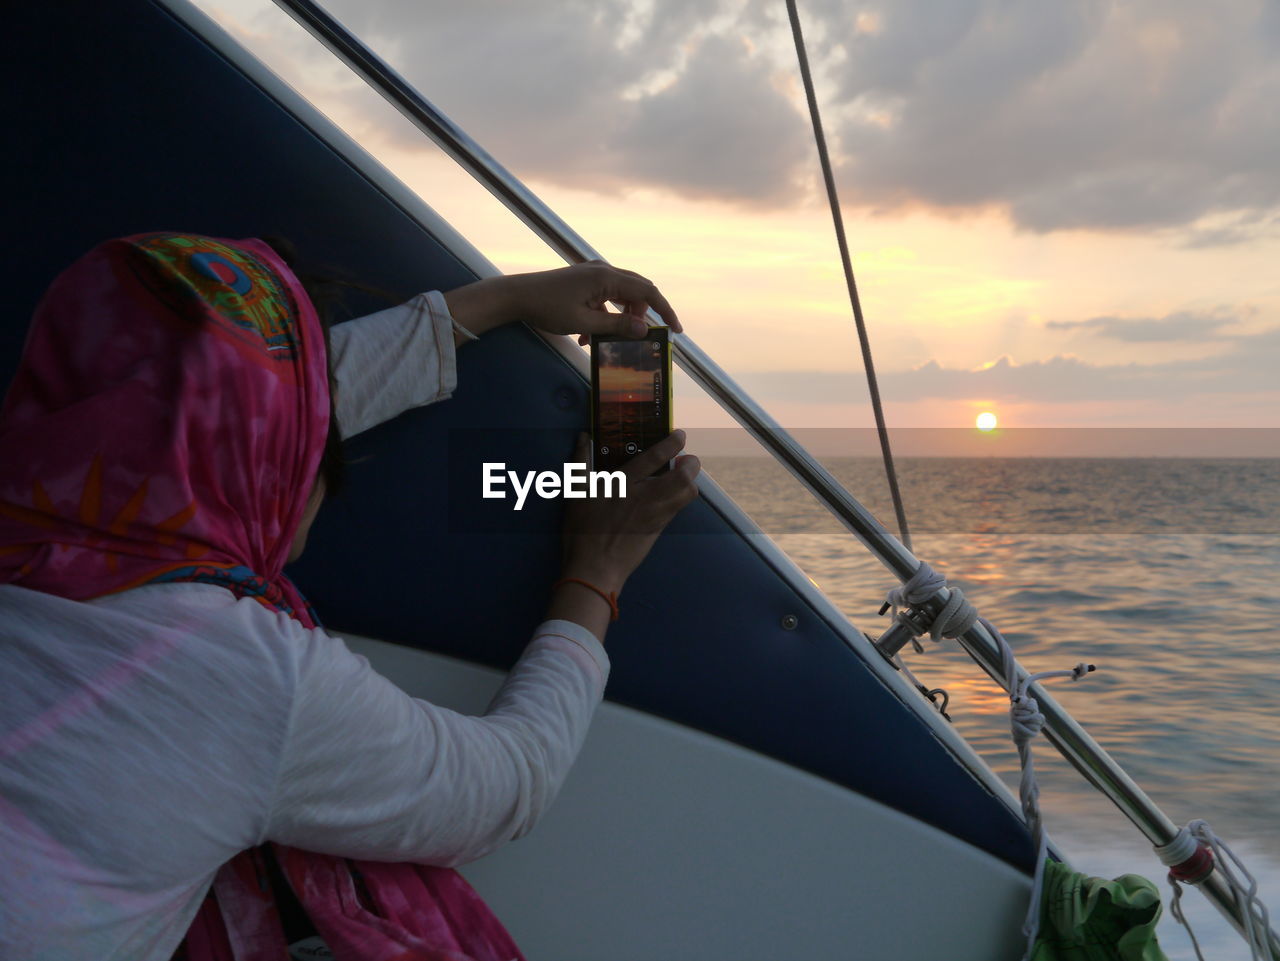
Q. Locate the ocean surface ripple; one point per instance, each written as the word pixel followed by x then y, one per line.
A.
pixel 1165 573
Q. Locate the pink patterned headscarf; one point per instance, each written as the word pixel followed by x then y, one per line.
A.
pixel 166 423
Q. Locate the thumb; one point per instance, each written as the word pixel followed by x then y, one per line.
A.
pixel 632 325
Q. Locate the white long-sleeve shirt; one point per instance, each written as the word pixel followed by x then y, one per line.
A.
pixel 149 736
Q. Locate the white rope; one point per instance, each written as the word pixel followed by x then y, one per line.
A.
pixel 1175 908
pixel 957 617
pixel 1178 850
pixel 1255 921
pixel 1026 722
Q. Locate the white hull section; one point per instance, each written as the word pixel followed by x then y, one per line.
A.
pixel 669 843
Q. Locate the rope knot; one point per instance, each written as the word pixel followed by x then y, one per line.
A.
pixel 1026 720
pixel 957 615
pixel 1196 852
pixel 920 586
pixel 1026 717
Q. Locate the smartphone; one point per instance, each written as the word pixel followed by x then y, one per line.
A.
pixel 630 396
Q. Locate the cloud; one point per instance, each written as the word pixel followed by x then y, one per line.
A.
pixel 607 95
pixel 1068 114
pixel 1182 325
pixel 695 137
pixel 1246 367
pixel 1243 228
pixel 1065 113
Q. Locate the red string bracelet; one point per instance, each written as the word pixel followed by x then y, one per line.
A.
pixel 611 598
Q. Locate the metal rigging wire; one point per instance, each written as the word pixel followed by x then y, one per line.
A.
pixel 863 340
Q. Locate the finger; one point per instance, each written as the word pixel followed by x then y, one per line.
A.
pixel 682 478
pixel 605 322
pixel 635 290
pixel 636 308
pixel 682 485
pixel 632 273
pixel 694 467
pixel 668 493
pixel 648 461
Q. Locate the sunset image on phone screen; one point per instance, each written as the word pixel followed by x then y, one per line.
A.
pixel 631 400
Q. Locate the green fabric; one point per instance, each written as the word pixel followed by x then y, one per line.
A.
pixel 1092 919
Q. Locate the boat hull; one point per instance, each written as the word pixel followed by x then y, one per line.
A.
pixel 666 842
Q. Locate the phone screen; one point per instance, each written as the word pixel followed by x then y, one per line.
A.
pixel 630 396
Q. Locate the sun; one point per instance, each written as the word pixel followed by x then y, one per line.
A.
pixel 986 421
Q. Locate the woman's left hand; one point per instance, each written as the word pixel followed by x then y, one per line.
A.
pixel 567 300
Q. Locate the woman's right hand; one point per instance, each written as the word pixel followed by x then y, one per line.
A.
pixel 605 539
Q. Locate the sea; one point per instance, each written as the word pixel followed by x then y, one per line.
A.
pixel 1163 572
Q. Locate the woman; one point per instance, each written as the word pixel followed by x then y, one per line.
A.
pixel 168 703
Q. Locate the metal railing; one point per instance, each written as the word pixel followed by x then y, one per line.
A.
pixel 1062 730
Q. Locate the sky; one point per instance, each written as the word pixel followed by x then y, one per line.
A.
pixel 1066 212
